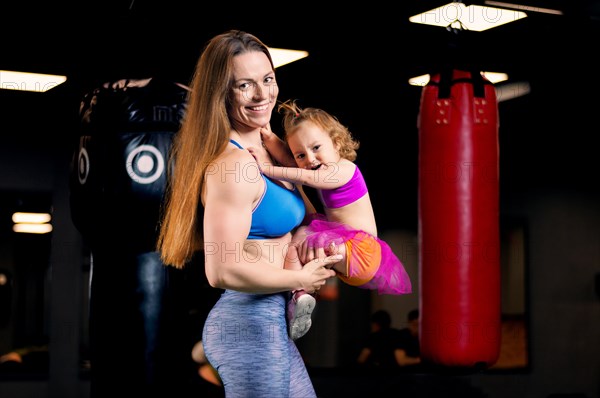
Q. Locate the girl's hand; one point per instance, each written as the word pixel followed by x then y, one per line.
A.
pixel 261 157
pixel 308 249
pixel 277 148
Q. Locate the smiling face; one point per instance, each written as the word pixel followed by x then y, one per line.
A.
pixel 254 90
pixel 312 146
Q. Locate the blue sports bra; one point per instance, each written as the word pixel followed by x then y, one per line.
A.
pixel 277 212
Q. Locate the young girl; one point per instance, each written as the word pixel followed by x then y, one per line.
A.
pixel 323 151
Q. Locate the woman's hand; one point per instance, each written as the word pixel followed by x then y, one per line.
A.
pixel 316 272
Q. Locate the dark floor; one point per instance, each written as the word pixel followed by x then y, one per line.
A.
pixel 330 383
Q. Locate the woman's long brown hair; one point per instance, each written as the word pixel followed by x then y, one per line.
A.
pixel 203 136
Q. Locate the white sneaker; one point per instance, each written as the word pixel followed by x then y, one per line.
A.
pixel 299 311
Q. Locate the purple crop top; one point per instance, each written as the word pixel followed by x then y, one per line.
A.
pixel 348 193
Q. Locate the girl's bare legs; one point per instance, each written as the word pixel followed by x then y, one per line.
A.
pixel 292 259
pixel 302 304
pixel 340 267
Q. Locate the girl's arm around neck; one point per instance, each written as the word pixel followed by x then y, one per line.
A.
pixel 327 176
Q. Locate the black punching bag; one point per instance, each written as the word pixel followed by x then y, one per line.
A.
pixel 117 182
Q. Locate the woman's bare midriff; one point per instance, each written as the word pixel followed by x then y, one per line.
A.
pixel 271 251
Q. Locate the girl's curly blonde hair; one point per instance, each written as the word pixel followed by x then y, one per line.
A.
pixel 293 116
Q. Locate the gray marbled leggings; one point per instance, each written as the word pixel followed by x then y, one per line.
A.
pixel 246 340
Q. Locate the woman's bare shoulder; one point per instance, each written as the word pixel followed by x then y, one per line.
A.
pixel 235 168
pixel 233 154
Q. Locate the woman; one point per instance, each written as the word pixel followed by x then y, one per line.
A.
pixel 247 221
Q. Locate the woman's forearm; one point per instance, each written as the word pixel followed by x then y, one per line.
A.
pixel 251 277
pixel 261 277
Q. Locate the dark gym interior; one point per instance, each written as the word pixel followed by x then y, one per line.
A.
pixel 360 60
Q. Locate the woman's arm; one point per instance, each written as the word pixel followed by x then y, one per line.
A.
pixel 230 193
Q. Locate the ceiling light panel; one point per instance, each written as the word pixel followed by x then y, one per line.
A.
pixel 475 18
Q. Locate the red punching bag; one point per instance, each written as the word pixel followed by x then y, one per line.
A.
pixel 459 256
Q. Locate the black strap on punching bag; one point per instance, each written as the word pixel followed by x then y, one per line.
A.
pixel 447 80
pixel 456 56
